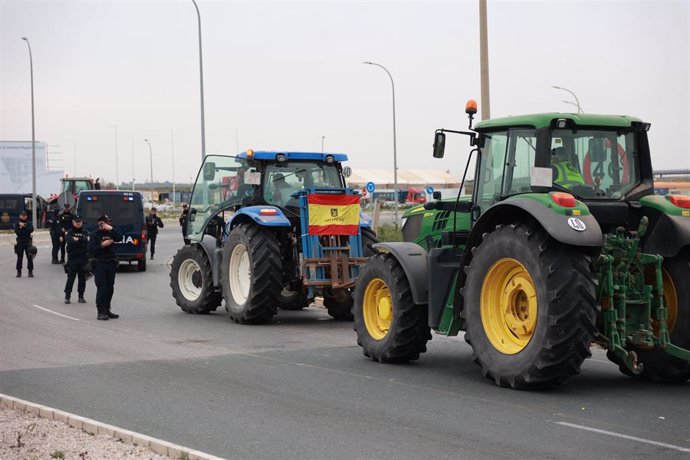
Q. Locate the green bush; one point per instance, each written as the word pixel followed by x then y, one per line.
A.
pixel 389 232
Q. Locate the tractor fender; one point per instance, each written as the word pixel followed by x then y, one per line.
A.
pixel 559 226
pixel 669 235
pixel 412 258
pixel 253 214
pixel 214 253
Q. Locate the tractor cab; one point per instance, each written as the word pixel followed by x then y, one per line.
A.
pixel 70 188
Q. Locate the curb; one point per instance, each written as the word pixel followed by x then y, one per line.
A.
pixel 93 427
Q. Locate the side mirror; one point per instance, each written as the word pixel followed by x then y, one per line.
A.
pixel 597 150
pixel 347 172
pixel 439 144
pixel 209 171
pixel 437 195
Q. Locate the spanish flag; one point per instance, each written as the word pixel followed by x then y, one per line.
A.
pixel 333 214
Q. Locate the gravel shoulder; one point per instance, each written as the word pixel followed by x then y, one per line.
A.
pixel 26 436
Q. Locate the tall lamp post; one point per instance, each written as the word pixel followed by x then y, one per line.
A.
pixel 150 159
pixel 201 85
pixel 395 152
pixel 33 139
pixel 117 164
pixel 577 101
pixel 172 154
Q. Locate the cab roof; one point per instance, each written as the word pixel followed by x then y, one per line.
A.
pixel 270 155
pixel 543 120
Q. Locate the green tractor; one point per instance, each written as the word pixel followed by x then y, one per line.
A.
pixel 561 244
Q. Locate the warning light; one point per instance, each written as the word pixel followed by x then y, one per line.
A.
pixel 563 199
pixel 250 154
pixel 268 212
pixel 681 201
pixel 471 107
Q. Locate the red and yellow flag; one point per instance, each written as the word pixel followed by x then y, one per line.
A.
pixel 333 214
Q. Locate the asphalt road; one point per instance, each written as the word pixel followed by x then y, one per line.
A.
pixel 300 387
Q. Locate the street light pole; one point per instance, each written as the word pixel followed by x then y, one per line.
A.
pixel 484 61
pixel 577 101
pixel 201 85
pixel 33 139
pixel 150 159
pixel 172 153
pixel 395 152
pixel 117 164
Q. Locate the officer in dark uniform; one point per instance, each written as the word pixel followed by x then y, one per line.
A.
pixel 77 258
pixel 65 225
pixel 23 229
pixel 184 219
pixel 101 248
pixel 152 224
pixel 54 225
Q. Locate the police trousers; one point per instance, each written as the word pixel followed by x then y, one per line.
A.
pixel 104 274
pixel 22 249
pixel 75 270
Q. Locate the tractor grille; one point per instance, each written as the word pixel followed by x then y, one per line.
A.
pixel 441 220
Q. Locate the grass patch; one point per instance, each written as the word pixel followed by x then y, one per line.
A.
pixel 389 232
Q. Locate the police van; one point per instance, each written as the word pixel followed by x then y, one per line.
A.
pixel 126 209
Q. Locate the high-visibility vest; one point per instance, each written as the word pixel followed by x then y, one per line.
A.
pixel 567 175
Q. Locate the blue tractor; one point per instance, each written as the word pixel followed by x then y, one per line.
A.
pixel 271 230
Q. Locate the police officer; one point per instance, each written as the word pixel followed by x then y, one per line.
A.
pixel 23 229
pixel 184 219
pixel 54 225
pixel 77 258
pixel 65 225
pixel 101 248
pixel 152 224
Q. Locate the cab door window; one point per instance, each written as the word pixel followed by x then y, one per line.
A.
pixel 490 177
pixel 520 157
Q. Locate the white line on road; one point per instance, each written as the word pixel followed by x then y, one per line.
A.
pixel 56 313
pixel 624 436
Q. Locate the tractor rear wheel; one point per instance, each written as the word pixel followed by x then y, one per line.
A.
pixel 529 307
pixel 252 274
pixel 389 326
pixel 191 281
pixel 659 366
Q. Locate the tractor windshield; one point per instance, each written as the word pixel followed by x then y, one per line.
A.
pixel 222 183
pixel 280 182
pixel 594 163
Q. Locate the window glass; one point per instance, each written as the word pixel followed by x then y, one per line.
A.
pixel 280 182
pixel 595 164
pixel 491 169
pixel 520 161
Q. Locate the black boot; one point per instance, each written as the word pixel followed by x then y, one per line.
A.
pixel 31 273
pixel 111 315
pixel 67 298
pixel 19 273
pixel 102 314
pixel 55 261
pixel 81 298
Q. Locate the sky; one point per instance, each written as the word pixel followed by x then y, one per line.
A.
pixel 286 75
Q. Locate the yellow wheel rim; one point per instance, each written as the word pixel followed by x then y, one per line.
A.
pixel 377 308
pixel 508 306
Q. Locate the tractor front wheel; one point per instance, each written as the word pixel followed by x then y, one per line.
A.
pixel 529 307
pixel 191 281
pixel 252 274
pixel 389 326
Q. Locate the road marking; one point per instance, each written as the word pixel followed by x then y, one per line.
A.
pixel 625 436
pixel 55 313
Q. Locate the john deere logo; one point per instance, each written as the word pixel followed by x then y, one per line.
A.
pixel 334 212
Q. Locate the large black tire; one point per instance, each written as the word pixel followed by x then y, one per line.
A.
pixel 293 300
pixel 191 281
pixel 390 327
pixel 252 274
pixel 659 366
pixel 368 240
pixel 516 273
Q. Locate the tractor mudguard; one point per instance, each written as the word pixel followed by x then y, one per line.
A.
pixel 444 264
pixel 214 253
pixel 254 214
pixel 566 229
pixel 412 257
pixel 668 236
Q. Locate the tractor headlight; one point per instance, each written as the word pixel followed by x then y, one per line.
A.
pixel 330 159
pixel 281 158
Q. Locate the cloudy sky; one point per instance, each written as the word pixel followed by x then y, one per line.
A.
pixel 280 75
